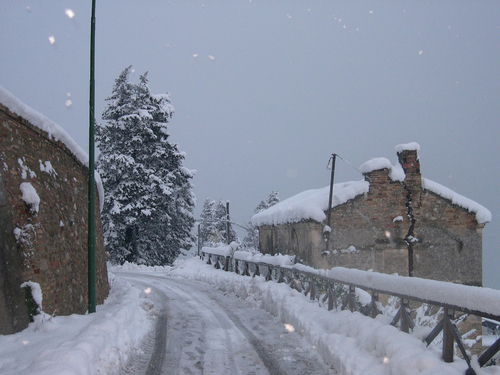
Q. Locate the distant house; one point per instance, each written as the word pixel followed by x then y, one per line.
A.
pixel 393 221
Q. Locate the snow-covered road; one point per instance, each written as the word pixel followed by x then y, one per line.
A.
pixel 191 318
pixel 201 330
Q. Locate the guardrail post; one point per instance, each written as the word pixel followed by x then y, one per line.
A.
pixel 312 285
pixel 280 275
pixel 331 297
pixel 405 323
pixel 351 298
pixel 245 270
pixel 295 283
pixel 269 275
pixel 257 271
pixel 226 266
pixel 448 347
pixel 374 308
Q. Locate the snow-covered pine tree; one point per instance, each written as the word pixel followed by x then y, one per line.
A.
pixel 148 205
pixel 251 240
pixel 207 218
pixel 273 199
pixel 221 223
pixel 213 229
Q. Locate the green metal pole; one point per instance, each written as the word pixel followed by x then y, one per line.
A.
pixel 91 221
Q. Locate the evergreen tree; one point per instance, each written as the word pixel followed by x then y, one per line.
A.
pixel 148 204
pixel 251 240
pixel 221 223
pixel 207 227
pixel 213 228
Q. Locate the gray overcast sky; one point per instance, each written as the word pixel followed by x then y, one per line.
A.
pixel 265 91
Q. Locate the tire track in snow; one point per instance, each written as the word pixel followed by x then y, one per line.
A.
pixel 207 332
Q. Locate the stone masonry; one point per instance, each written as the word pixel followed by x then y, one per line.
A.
pixel 49 245
pixel 397 227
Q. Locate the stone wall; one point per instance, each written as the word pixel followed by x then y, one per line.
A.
pixel 48 242
pixel 373 231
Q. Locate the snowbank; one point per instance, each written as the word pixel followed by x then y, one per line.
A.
pixel 100 343
pixel 81 344
pixel 351 342
pixel 51 128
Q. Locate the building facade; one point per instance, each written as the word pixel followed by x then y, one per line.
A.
pixel 395 221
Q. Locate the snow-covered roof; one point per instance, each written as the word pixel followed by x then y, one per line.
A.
pixel 483 215
pixel 53 130
pixel 310 204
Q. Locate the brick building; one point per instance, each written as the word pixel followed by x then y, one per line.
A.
pixel 43 217
pixel 394 221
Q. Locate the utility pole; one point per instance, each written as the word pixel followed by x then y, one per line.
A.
pixel 199 239
pixel 227 223
pixel 91 199
pixel 330 198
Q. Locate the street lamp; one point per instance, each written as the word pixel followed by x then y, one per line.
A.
pixel 91 199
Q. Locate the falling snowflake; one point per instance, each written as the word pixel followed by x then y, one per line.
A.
pixel 52 40
pixel 211 57
pixel 70 13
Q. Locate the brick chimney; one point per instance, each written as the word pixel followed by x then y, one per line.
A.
pixel 408 158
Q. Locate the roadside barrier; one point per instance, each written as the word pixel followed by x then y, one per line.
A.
pixel 339 288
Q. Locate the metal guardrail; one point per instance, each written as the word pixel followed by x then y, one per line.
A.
pixel 309 283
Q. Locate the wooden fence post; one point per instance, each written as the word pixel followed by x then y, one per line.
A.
pixel 351 298
pixel 257 271
pixel 448 347
pixel 374 307
pixel 331 297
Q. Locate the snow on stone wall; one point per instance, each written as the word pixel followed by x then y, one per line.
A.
pixel 53 130
pixel 46 183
